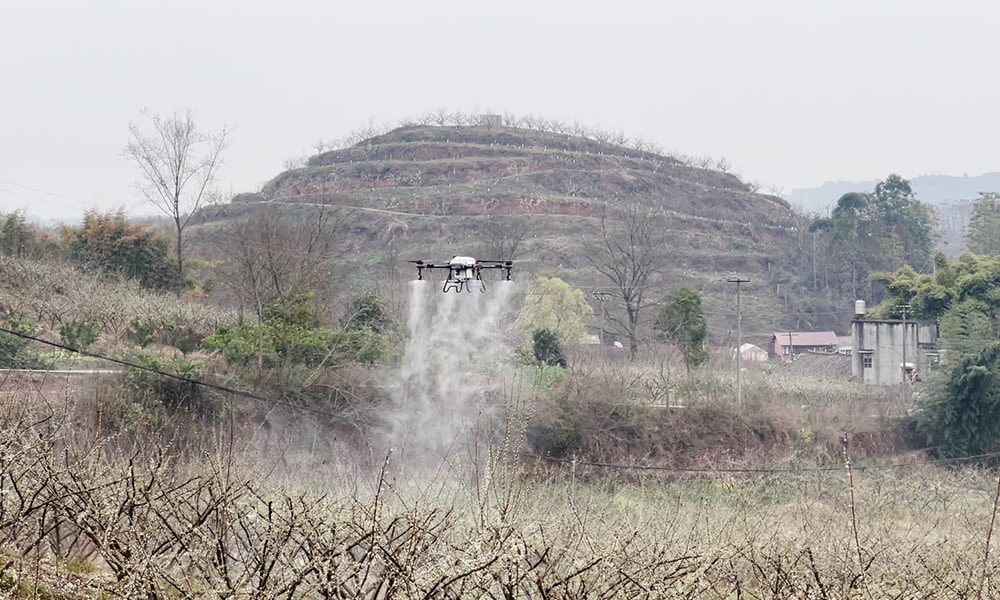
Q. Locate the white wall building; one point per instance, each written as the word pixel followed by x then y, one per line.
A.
pixel 881 348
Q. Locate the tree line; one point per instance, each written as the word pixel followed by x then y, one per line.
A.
pixel 881 230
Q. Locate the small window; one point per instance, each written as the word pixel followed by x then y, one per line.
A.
pixel 866 361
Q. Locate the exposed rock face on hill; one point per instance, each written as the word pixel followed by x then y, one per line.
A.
pixel 408 179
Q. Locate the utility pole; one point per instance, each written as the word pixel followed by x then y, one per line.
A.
pixel 904 308
pixel 739 340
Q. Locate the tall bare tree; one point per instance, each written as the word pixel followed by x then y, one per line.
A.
pixel 178 164
pixel 282 250
pixel 629 252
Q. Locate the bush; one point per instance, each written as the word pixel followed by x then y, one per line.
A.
pixel 289 336
pixel 79 334
pixel 960 414
pixel 159 396
pixel 545 346
pixel 367 311
pixel 15 352
pixel 364 346
pixel 108 242
pixel 239 345
pixel 594 417
pixel 184 338
pixel 141 332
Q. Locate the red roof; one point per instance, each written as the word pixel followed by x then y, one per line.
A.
pixel 807 339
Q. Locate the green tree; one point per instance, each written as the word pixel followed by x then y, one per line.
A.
pixel 963 295
pixel 820 230
pixel 545 346
pixel 983 233
pixel 552 304
pixel 966 327
pixel 17 237
pixel 109 242
pixel 872 232
pixel 928 296
pixel 79 334
pixel 856 245
pixel 682 323
pixel 15 352
pixel 961 414
pixel 367 311
pixel 908 222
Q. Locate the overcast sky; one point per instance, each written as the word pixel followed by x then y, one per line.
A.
pixel 791 93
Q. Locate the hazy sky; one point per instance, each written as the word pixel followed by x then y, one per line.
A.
pixel 791 93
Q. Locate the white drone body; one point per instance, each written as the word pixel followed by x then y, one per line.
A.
pixel 463 271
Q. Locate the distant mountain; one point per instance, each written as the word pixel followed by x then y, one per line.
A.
pixel 933 189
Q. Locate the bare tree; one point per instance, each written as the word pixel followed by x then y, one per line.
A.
pixel 774 189
pixel 282 250
pixel 439 117
pixel 502 237
pixel 629 252
pixel 179 165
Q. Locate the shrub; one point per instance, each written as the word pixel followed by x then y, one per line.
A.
pixel 15 352
pixel 960 414
pixel 19 238
pixel 108 242
pixel 159 396
pixel 239 345
pixel 182 337
pixel 545 346
pixel 289 336
pixel 364 346
pixel 367 311
pixel 141 332
pixel 79 333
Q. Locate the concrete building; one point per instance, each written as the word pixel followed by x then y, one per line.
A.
pixel 884 351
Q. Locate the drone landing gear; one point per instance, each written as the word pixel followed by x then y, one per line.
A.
pixel 461 284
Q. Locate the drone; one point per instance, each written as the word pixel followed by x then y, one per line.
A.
pixel 463 271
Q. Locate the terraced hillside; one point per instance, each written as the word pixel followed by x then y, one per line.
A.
pixel 430 192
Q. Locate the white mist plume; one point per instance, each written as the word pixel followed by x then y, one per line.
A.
pixel 451 372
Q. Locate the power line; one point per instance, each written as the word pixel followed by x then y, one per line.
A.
pixel 206 384
pixel 77 202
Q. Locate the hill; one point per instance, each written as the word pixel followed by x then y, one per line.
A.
pixel 430 191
